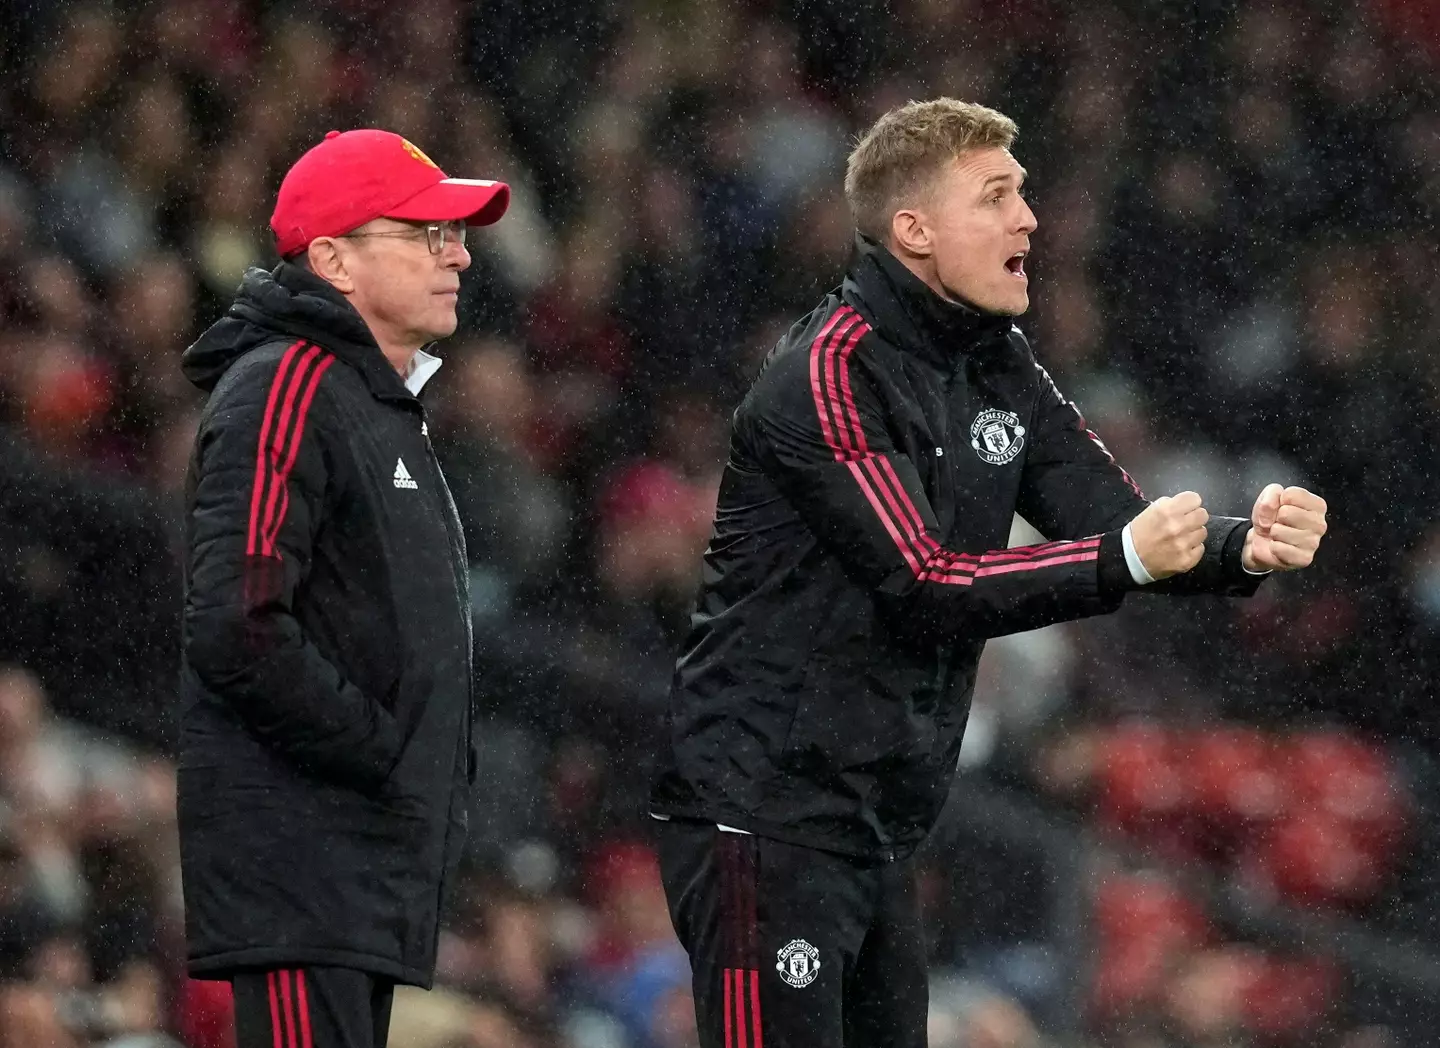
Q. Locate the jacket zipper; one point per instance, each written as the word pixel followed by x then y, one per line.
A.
pixel 462 588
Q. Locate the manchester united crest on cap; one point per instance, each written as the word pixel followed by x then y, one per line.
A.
pixel 997 436
pixel 798 963
pixel 417 152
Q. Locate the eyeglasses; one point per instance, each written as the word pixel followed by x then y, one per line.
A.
pixel 435 234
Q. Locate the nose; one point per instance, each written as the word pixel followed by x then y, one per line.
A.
pixel 456 255
pixel 1027 218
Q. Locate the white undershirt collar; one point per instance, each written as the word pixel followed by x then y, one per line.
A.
pixel 422 368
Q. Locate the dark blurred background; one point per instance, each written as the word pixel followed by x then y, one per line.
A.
pixel 1192 825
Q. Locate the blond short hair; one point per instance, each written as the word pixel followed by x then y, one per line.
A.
pixel 907 147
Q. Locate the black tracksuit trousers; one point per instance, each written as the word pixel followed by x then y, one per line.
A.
pixel 792 947
pixel 311 1007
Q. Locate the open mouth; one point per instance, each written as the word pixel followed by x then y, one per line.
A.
pixel 1016 264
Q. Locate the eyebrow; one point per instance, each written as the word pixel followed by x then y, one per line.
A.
pixel 1006 177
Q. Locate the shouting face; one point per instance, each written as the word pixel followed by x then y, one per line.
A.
pixel 968 233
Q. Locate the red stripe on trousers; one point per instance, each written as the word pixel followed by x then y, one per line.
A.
pixel 274 1009
pixel 740 1040
pixel 278 443
pixel 304 1009
pixel 729 1031
pixel 258 490
pixel 289 1013
pixel 755 1006
pixel 272 531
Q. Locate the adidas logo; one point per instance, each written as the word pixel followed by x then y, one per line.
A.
pixel 402 476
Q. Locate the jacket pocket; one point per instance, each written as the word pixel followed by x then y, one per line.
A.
pixel 409 696
pixel 847 717
pixel 803 696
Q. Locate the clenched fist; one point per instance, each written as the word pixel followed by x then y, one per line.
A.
pixel 1169 535
pixel 1288 525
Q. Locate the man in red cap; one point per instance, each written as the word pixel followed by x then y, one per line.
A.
pixel 325 740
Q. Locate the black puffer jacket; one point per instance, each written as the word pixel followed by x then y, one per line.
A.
pixel 858 564
pixel 325 744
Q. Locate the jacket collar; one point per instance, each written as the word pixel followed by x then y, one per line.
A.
pixel 344 332
pixel 290 302
pixel 903 310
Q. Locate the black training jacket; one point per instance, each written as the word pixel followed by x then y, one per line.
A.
pixel 326 675
pixel 858 564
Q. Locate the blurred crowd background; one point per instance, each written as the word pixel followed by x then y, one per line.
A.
pixel 1191 825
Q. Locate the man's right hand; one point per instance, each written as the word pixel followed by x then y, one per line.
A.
pixel 1169 535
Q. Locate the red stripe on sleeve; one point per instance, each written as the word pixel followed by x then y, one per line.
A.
pixel 913 513
pixel 970 561
pixel 917 565
pixel 852 438
pixel 282 478
pixel 834 329
pixel 1036 565
pixel 911 527
pixel 1049 549
pixel 842 367
pixel 846 437
pixel 967 566
pixel 275 450
pixel 903 520
pixel 1101 445
pixel 881 486
pixel 257 492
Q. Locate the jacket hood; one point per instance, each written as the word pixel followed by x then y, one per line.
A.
pixel 288 303
pixel 906 311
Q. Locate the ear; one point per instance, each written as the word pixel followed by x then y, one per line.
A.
pixel 327 263
pixel 910 234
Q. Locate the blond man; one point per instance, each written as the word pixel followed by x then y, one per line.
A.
pixel 857 566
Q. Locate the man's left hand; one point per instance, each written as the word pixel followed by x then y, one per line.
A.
pixel 1288 523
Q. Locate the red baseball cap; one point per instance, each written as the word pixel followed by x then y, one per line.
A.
pixel 351 178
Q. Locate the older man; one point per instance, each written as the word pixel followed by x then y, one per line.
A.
pixel 325 749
